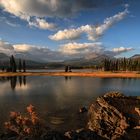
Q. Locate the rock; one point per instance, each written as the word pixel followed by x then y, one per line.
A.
pixel 113 114
pixel 128 106
pixel 106 120
pixel 114 94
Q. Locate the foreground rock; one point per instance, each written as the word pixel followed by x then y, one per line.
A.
pixel 114 115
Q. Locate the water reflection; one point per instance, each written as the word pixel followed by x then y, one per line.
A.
pixel 67 78
pixel 22 80
pixel 13 81
pixel 58 97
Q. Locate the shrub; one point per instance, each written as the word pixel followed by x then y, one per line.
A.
pixel 25 126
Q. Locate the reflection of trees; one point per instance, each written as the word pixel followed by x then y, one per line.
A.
pixel 24 80
pixel 20 80
pixel 13 81
pixel 3 79
pixel 67 78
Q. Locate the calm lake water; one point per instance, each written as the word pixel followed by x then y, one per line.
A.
pixel 58 99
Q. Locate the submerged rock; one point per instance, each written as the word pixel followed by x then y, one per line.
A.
pixel 113 114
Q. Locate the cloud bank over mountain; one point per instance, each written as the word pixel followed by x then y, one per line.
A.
pixel 65 52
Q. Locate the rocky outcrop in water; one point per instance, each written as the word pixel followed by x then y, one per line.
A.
pixel 115 116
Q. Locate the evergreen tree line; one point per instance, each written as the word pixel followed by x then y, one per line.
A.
pixel 13 67
pixel 121 65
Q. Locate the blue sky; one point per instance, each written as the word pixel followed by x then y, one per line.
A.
pixel 69 29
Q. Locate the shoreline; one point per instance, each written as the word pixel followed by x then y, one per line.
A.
pixel 79 74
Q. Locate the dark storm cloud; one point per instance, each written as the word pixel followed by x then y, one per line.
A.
pixel 58 8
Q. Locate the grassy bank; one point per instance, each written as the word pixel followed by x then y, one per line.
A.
pixel 88 74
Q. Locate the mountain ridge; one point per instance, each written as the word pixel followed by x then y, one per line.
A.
pixel 79 62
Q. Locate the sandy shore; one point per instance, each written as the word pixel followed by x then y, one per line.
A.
pixel 88 74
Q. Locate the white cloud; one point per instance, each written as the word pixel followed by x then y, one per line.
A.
pixel 89 50
pixel 121 50
pixel 22 10
pixel 108 22
pixel 71 34
pixel 23 48
pixel 67 34
pixel 93 32
pixel 36 53
pixel 81 49
pixel 42 24
pixel 6 48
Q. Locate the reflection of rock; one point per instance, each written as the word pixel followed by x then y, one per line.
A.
pixel 56 120
pixel 112 115
pixel 53 135
pixel 83 135
pixel 132 134
pixel 83 110
pixel 8 136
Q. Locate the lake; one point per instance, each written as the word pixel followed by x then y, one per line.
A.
pixel 58 99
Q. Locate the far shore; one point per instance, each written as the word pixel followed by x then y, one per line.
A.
pixel 83 74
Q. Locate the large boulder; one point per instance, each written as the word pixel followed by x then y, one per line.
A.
pixel 112 115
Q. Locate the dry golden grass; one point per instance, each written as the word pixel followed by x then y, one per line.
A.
pixel 88 74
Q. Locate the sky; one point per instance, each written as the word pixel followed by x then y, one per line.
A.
pixel 56 30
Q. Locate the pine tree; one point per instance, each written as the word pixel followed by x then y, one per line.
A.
pixel 20 65
pixel 24 66
pixel 66 68
pixel 13 66
pixel 121 64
